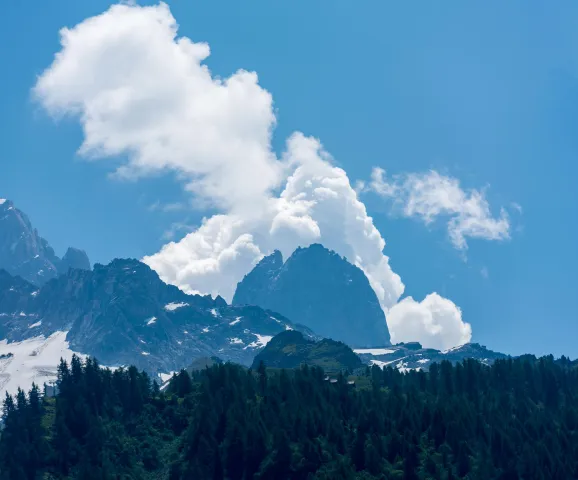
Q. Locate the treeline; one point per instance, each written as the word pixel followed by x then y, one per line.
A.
pixel 517 419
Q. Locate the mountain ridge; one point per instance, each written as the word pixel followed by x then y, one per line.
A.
pixel 23 252
pixel 124 314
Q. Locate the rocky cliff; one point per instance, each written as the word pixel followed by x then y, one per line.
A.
pixel 321 290
pixel 23 252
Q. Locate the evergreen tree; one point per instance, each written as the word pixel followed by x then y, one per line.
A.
pixel 517 419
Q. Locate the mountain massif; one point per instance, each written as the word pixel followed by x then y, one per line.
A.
pixel 25 253
pixel 401 411
pixel 123 314
pixel 321 289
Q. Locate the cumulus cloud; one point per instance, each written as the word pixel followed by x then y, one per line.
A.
pixel 430 195
pixel 316 205
pixel 435 322
pixel 142 93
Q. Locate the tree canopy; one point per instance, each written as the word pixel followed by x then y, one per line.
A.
pixel 517 419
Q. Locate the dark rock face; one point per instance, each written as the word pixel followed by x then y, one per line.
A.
pixel 15 296
pixel 25 253
pixel 291 349
pixel 321 290
pixel 123 314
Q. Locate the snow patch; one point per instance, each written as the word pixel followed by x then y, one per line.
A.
pixel 236 341
pixel 34 325
pixel 214 312
pixel 205 330
pixel 2 201
pixel 382 364
pixel 379 363
pixel 237 320
pixel 165 377
pixel 171 307
pixel 453 349
pixel 261 341
pixel 287 327
pixel 402 367
pixel 423 360
pixel 374 351
pixel 151 320
pixel 33 360
pixel 146 354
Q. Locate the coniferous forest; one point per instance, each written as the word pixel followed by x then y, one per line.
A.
pixel 517 419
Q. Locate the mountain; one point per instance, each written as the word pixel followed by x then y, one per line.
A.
pixel 291 349
pixel 412 356
pixel 321 289
pixel 122 314
pixel 25 253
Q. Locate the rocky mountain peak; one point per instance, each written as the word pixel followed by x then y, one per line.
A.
pixel 75 258
pixel 23 252
pixel 321 290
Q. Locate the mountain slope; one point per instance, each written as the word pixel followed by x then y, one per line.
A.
pixel 411 356
pixel 25 253
pixel 122 314
pixel 322 290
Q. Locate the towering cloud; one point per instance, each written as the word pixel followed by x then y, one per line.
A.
pixel 317 204
pixel 143 93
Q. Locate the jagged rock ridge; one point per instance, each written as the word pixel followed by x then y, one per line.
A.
pixel 122 314
pixel 320 289
pixel 25 253
pixel 412 356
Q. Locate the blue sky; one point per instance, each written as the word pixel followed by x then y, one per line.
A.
pixel 482 93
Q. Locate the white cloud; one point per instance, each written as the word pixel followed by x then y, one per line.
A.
pixel 316 205
pixel 430 195
pixel 435 322
pixel 142 93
